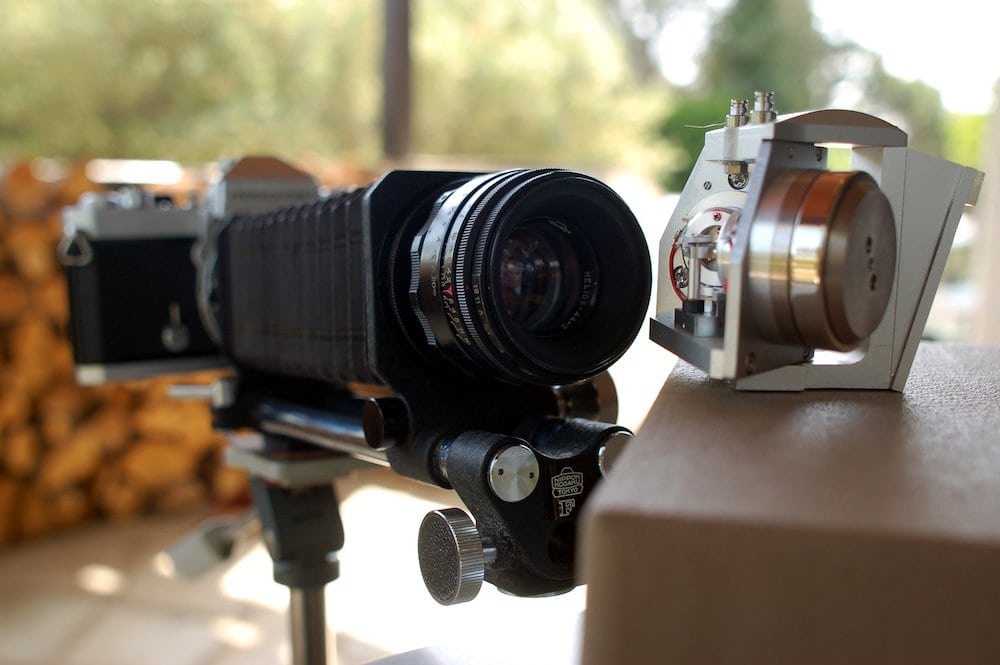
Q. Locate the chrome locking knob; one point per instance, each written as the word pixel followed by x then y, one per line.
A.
pixel 452 556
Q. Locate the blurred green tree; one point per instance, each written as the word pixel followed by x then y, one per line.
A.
pixel 775 45
pixel 752 45
pixel 183 79
pixel 191 80
pixel 528 80
pixel 640 24
pixel 917 105
pixel 186 80
pixel 768 45
pixel 965 136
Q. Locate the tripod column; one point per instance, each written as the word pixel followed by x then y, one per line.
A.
pixel 303 533
pixel 308 623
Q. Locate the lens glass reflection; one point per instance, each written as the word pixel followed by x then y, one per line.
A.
pixel 538 276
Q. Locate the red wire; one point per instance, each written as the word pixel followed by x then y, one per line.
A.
pixel 673 282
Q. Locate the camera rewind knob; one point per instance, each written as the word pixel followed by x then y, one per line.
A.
pixel 452 556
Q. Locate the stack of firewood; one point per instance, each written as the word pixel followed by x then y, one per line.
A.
pixel 70 454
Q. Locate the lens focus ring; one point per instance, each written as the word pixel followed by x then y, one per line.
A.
pixel 507 280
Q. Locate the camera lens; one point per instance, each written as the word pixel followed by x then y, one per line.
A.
pixel 539 276
pixel 530 276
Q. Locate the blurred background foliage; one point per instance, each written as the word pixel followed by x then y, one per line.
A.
pixel 775 45
pixel 191 80
pixel 187 80
pixel 518 81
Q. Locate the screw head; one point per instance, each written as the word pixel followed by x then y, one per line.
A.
pixel 610 449
pixel 514 473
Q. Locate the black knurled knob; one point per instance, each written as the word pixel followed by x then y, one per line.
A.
pixel 452 561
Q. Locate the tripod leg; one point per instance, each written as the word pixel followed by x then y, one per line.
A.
pixel 303 532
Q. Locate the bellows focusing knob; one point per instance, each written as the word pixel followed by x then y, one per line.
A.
pixel 452 557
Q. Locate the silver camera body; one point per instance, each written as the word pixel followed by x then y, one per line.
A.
pixel 778 273
pixel 140 269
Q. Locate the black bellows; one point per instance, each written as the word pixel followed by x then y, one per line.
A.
pixel 293 288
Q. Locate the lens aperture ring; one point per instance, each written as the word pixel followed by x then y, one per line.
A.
pixel 432 287
pixel 475 307
pixel 535 276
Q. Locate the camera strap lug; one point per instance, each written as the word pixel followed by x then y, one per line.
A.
pixel 74 250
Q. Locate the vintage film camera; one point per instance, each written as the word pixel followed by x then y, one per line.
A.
pixel 455 326
pixel 777 273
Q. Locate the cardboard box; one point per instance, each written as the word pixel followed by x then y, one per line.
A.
pixel 813 527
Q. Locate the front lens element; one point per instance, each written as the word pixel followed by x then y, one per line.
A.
pixel 539 276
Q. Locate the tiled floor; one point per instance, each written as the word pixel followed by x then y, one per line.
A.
pixel 92 596
pixel 95 597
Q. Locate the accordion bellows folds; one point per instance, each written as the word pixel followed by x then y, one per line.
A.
pixel 295 288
